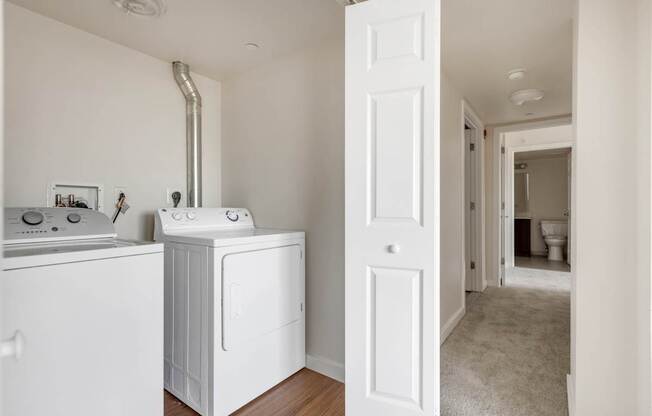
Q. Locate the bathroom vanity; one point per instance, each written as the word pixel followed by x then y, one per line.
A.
pixel 522 240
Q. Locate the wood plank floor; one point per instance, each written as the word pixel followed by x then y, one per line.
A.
pixel 306 393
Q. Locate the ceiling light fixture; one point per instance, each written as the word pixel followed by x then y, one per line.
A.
pixel 521 97
pixel 516 74
pixel 146 8
pixel 252 46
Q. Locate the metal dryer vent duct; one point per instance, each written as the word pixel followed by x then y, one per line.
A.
pixel 193 132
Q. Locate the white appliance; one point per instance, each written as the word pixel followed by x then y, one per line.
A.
pixel 82 317
pixel 234 306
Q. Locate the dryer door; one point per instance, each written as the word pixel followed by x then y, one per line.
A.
pixel 261 292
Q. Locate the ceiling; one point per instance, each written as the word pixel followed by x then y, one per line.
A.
pixel 542 154
pixel 209 35
pixel 483 40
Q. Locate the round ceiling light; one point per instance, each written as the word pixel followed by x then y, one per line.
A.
pixel 252 46
pixel 516 74
pixel 521 97
pixel 147 8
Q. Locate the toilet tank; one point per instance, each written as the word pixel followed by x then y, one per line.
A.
pixel 554 227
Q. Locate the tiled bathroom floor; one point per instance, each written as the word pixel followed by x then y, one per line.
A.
pixel 541 263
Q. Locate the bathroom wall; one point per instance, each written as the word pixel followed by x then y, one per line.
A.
pixel 548 195
pixel 82 109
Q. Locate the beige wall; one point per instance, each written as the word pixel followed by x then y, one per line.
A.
pixel 81 109
pixel 548 195
pixel 283 158
pixel 452 203
pixel 611 226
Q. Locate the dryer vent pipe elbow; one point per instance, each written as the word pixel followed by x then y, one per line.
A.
pixel 193 132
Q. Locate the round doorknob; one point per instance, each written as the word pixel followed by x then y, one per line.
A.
pixel 394 248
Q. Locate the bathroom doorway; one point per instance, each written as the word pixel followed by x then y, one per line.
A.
pixel 538 202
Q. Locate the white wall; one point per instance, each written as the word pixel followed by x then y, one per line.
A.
pixel 283 158
pixel 548 195
pixel 82 109
pixel 452 207
pixel 611 253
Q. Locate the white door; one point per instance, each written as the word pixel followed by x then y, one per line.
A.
pixel 392 208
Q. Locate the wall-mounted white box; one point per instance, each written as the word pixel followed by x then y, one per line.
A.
pixel 91 194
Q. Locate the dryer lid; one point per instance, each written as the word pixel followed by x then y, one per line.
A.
pixel 221 238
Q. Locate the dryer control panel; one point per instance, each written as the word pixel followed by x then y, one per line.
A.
pixel 35 224
pixel 193 219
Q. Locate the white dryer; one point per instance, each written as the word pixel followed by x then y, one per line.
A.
pixel 82 314
pixel 234 306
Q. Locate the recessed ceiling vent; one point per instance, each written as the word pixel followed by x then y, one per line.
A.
pixel 146 8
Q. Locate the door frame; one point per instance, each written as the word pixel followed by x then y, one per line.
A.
pixel 479 278
pixel 495 268
pixel 508 180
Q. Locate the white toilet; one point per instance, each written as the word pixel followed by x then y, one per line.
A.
pixel 555 234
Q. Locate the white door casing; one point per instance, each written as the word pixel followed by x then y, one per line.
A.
pixel 470 234
pixel 503 220
pixel 392 207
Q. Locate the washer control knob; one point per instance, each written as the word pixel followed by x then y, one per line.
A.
pixel 191 215
pixel 32 218
pixel 74 218
pixel 232 216
pixel 177 216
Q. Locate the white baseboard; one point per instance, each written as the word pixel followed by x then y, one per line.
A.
pixel 326 367
pixel 570 388
pixel 451 324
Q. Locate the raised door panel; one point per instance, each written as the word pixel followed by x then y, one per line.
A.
pixel 395 155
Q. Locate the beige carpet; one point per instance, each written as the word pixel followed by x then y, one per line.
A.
pixel 509 356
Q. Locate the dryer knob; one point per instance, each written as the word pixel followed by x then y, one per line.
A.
pixel 177 216
pixel 74 218
pixel 191 215
pixel 232 216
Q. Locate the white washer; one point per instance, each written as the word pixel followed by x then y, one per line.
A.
pixel 85 312
pixel 234 306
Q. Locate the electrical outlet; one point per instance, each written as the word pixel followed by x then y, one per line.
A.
pixel 168 195
pixel 117 190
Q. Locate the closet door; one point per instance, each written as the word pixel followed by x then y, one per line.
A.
pixel 392 208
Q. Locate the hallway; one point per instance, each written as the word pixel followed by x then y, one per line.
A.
pixel 510 354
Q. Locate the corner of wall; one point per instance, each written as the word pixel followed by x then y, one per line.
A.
pixel 450 325
pixel 326 367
